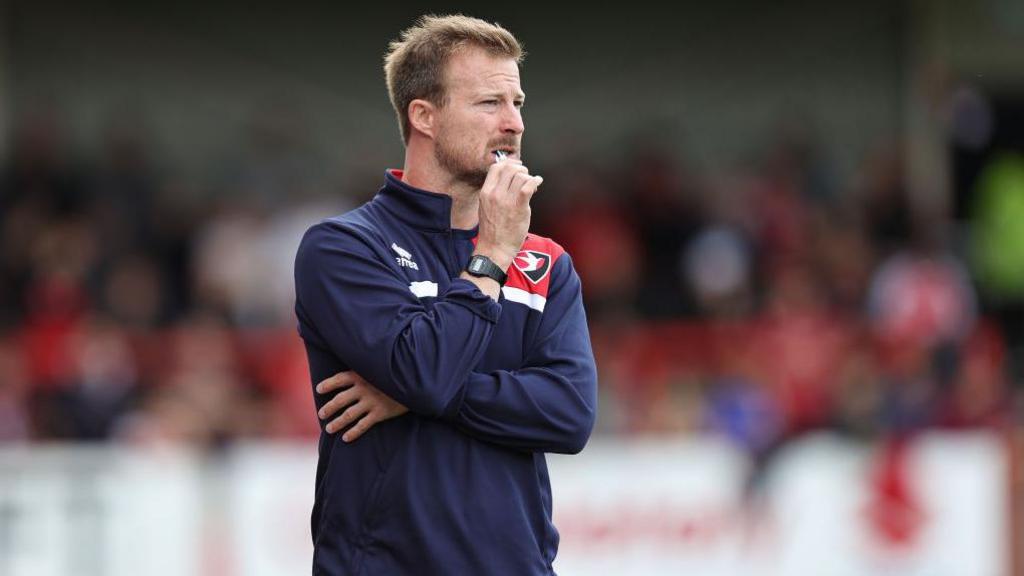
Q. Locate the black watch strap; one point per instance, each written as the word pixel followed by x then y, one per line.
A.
pixel 484 267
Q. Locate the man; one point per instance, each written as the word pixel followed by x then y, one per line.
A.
pixel 454 378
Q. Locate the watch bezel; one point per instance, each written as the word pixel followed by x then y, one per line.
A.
pixel 488 270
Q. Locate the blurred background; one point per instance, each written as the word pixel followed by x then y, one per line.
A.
pixel 799 227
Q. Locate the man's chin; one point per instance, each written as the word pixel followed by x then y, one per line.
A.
pixel 464 172
pixel 474 178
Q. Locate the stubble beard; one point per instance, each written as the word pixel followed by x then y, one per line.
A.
pixel 457 162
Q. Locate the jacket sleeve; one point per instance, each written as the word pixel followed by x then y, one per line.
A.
pixel 352 300
pixel 550 404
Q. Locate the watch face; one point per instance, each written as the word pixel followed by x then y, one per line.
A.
pixel 482 266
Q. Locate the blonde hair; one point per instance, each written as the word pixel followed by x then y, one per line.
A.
pixel 414 66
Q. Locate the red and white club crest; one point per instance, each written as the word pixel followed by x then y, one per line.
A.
pixel 534 265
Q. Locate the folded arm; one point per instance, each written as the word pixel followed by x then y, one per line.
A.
pixel 547 405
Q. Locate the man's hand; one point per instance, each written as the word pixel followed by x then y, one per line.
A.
pixel 505 210
pixel 504 217
pixel 358 400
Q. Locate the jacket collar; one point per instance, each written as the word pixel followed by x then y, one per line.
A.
pixel 418 208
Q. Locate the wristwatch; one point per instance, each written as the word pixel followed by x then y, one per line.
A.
pixel 484 267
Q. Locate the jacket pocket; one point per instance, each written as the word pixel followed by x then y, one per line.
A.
pixel 391 443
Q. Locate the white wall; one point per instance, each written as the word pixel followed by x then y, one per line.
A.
pixel 645 506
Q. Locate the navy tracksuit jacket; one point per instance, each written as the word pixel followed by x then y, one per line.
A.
pixel 459 485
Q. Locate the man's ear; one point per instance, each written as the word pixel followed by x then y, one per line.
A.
pixel 423 117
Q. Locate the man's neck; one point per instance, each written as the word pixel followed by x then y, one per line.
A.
pixel 465 207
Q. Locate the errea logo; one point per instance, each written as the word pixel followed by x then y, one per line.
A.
pixel 404 258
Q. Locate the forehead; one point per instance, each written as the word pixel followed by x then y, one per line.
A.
pixel 475 70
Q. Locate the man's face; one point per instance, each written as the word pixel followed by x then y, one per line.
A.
pixel 482 114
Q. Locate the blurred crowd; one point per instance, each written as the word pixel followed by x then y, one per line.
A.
pixel 141 306
pixel 780 299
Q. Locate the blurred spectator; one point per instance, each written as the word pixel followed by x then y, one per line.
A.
pixel 662 202
pixel 843 259
pixel 226 267
pixel 243 261
pixel 57 298
pixel 741 409
pixel 858 407
pixel 922 297
pixel 96 383
pixel 133 292
pixel 202 398
pixel 592 226
pixel 782 212
pixel 39 183
pixel 799 341
pixel 124 187
pixel 718 267
pixel 979 395
pixel 884 201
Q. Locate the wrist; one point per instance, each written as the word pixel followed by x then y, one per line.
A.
pixel 482 266
pixel 501 257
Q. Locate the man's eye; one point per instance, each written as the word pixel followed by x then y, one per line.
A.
pixel 519 104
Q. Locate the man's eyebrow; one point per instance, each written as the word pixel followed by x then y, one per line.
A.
pixel 500 94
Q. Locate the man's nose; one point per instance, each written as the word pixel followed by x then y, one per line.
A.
pixel 512 120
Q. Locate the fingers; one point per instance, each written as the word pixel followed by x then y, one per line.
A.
pixel 495 172
pixel 358 402
pixel 523 186
pixel 509 172
pixel 338 381
pixel 350 415
pixel 509 175
pixel 340 401
pixel 361 427
pixel 533 184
